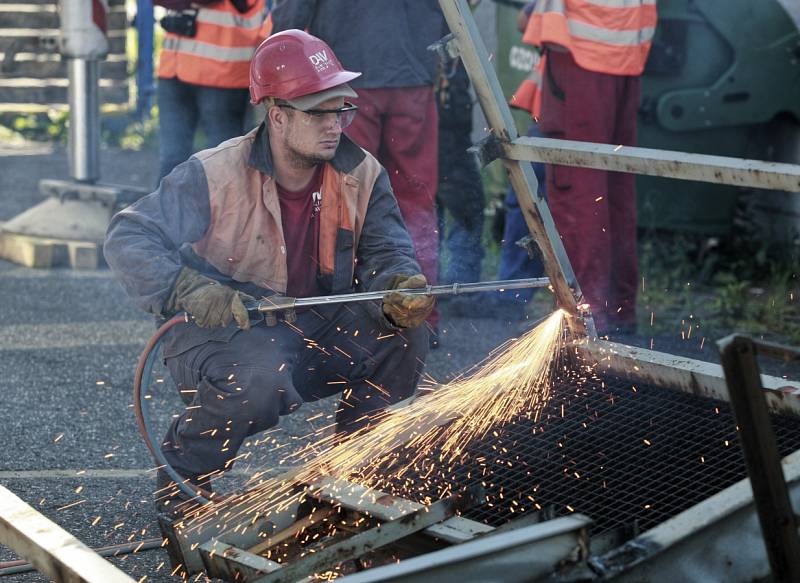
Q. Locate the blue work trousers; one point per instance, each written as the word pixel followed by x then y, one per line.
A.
pixel 184 108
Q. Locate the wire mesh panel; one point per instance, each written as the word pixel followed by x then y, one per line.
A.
pixel 629 456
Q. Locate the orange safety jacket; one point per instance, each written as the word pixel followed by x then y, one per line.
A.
pixel 605 36
pixel 219 53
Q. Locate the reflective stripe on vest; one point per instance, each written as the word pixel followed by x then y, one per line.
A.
pixel 219 53
pixel 247 244
pixel 605 36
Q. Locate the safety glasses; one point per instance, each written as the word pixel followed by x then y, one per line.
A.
pixel 344 115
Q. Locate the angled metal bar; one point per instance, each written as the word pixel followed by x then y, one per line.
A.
pixel 230 563
pixel 372 539
pixel 650 162
pixel 385 507
pixel 534 208
pixel 51 549
pixel 771 496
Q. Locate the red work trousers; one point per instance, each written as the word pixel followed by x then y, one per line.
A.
pixel 399 126
pixel 594 210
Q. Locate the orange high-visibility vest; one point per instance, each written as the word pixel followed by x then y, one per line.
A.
pixel 219 54
pixel 605 36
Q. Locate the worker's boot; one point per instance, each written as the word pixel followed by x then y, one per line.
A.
pixel 172 501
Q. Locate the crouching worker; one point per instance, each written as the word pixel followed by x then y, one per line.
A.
pixel 292 208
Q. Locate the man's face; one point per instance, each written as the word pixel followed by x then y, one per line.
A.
pixel 311 139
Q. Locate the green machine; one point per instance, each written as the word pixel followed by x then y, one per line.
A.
pixel 723 78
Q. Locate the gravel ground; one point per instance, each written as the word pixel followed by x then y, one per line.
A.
pixel 69 342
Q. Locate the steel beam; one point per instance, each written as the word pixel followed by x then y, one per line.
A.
pixel 778 523
pixel 650 162
pixel 372 539
pixel 382 506
pixel 534 208
pixel 697 377
pixel 524 554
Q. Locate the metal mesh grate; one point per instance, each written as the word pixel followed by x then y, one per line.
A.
pixel 627 455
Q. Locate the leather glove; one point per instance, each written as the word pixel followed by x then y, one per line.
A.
pixel 406 310
pixel 210 303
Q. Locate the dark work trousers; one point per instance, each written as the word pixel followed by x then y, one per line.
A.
pixel 240 385
pixel 594 210
pixel 398 126
pixel 460 190
pixel 183 108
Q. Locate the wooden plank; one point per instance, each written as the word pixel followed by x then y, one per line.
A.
pixel 116 93
pixel 48 69
pixel 39 19
pixel 25 251
pixel 46 19
pixel 47 41
pixel 111 3
pixel 45 253
pixel 50 548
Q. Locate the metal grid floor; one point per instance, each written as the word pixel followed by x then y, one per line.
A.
pixel 627 455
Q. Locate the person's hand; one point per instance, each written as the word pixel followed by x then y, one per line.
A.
pixel 210 303
pixel 407 310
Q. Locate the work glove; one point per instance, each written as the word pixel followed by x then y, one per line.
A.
pixel 210 303
pixel 406 310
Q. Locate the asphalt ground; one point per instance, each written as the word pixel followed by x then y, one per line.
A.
pixel 69 342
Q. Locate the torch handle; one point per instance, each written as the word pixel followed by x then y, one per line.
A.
pixel 278 302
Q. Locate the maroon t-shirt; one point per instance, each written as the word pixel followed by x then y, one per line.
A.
pixel 300 219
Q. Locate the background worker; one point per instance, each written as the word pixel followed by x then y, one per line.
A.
pixel 293 208
pixel 203 72
pixel 593 56
pixel 460 194
pixel 397 123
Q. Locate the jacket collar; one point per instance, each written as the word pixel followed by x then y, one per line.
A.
pixel 348 155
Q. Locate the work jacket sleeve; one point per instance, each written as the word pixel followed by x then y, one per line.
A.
pixel 143 241
pixel 384 248
pixel 288 14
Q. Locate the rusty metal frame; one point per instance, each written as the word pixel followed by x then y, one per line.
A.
pixel 398 518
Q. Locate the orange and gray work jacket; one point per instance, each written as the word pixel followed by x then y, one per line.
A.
pixel 219 213
pixel 218 55
pixel 604 36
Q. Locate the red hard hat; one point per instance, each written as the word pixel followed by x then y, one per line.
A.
pixel 293 63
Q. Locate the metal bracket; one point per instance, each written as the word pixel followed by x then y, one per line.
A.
pixel 529 244
pixel 446 48
pixel 488 150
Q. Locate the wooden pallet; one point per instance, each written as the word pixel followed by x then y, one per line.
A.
pixel 42 252
pixel 32 72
